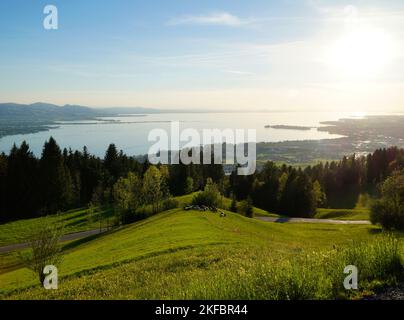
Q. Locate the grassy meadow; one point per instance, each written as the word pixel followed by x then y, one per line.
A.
pixel 181 254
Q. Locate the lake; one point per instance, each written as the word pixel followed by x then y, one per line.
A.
pixel 130 133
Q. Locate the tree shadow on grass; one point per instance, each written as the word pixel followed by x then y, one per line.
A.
pixel 76 222
pixel 82 214
pixel 75 243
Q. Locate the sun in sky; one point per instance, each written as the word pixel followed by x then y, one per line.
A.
pixel 214 54
pixel 361 52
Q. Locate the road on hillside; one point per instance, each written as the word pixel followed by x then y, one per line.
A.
pixel 309 220
pixel 66 237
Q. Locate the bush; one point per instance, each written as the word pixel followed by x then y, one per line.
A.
pixel 208 197
pixel 144 211
pixel 204 199
pixel 383 212
pixel 246 208
pixel 389 210
pixel 170 203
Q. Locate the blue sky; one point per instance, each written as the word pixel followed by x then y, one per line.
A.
pixel 233 54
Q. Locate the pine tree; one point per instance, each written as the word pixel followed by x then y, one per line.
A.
pixel 3 186
pixel 22 183
pixel 56 184
pixel 111 161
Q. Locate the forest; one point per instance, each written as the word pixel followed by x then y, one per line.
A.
pixel 65 179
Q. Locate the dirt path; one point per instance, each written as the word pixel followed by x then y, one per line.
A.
pixel 66 237
pixel 308 220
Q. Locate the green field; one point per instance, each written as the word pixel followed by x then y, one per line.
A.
pixel 80 220
pixel 181 254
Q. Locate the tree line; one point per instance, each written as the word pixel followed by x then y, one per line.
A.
pixel 299 191
pixel 59 180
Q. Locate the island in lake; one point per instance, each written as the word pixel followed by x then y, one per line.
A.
pixel 285 127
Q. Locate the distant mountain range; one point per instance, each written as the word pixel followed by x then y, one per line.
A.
pixel 44 112
pixel 30 118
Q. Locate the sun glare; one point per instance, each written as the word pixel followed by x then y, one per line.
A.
pixel 362 52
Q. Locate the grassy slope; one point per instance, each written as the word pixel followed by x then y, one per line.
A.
pixel 177 245
pixel 79 220
pixel 73 221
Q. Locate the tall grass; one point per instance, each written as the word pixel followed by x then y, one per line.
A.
pixel 233 273
pixel 318 275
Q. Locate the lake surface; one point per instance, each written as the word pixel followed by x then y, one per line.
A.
pixel 130 133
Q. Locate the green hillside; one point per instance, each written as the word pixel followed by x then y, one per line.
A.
pixel 73 221
pixel 182 254
pixel 81 220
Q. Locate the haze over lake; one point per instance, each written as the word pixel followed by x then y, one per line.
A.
pixel 130 132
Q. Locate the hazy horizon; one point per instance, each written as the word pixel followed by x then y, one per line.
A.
pixel 228 55
pixel 359 113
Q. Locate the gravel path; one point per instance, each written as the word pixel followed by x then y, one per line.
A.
pixel 66 237
pixel 308 220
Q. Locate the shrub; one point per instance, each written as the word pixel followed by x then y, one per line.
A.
pixel 246 208
pixel 389 210
pixel 170 203
pixel 208 197
pixel 204 199
pixel 382 213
